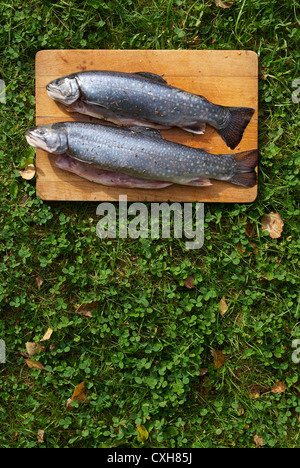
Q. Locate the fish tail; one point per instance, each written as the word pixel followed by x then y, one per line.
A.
pixel 239 118
pixel 245 174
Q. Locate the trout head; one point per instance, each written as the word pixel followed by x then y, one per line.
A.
pixel 64 90
pixel 47 138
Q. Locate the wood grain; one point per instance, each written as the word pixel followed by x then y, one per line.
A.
pixel 224 77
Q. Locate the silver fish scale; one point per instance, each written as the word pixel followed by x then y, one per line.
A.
pixel 143 153
pixel 147 99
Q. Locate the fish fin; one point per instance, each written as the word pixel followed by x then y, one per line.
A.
pixel 201 182
pixel 239 118
pixel 146 131
pixel 151 76
pixel 245 174
pixel 105 177
pixel 198 128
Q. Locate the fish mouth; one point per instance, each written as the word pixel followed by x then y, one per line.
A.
pixel 35 139
pixel 31 138
pixel 60 94
pixel 55 94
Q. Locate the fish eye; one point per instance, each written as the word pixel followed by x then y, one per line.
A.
pixel 42 132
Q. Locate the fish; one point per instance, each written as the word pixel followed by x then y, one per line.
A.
pixel 143 153
pixel 146 99
pixel 94 174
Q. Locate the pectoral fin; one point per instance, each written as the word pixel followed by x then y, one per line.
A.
pixel 201 182
pixel 151 76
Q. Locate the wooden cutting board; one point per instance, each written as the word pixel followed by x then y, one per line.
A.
pixel 224 77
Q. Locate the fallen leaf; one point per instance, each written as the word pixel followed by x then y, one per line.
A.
pixel 189 282
pixel 196 40
pixel 69 401
pixel 219 358
pixel 34 364
pixel 28 173
pixel 40 436
pixel 87 309
pixel 33 348
pixel 257 390
pixel 250 229
pixel 273 224
pixel 79 393
pixel 258 441
pixel 143 433
pixel 278 387
pixel 223 306
pixel 47 335
pixel 223 4
pixel 39 281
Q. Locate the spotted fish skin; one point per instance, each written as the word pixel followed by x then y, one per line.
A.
pixel 145 99
pixel 144 153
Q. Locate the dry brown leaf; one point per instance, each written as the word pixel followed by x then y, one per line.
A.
pixel 219 358
pixel 250 229
pixel 28 173
pixel 278 387
pixel 189 282
pixel 196 40
pixel 223 4
pixel 33 348
pixel 258 441
pixel 257 390
pixel 223 306
pixel 69 401
pixel 39 281
pixel 87 309
pixel 47 335
pixel 273 224
pixel 40 436
pixel 79 393
pixel 34 364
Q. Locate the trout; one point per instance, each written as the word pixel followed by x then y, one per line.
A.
pixel 146 99
pixel 143 153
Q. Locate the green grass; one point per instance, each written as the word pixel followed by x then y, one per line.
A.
pixel 143 352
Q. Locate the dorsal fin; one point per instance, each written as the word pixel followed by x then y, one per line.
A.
pixel 151 76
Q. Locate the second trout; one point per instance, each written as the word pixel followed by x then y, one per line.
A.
pixel 142 153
